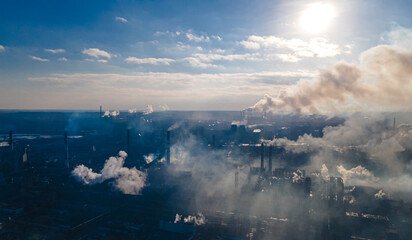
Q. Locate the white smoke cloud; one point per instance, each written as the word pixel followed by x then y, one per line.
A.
pixel 175 126
pixel 197 220
pixel 149 158
pixel 297 176
pixel 164 107
pixel 357 176
pixel 127 180
pixel 380 195
pixel 324 172
pixel 178 218
pixel 148 110
pixel 132 110
pixel 242 122
pixel 111 114
pixel 362 140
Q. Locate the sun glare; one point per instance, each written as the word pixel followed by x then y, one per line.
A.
pixel 316 17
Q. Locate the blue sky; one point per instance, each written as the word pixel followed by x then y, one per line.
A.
pixel 188 55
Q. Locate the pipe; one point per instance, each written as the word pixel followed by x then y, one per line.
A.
pixel 168 148
pixel 270 161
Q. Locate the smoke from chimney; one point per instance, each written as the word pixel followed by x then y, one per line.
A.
pixel 127 180
pixel 270 161
pixel 262 162
pixel 380 83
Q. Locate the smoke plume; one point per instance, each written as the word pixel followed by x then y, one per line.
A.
pixel 111 114
pixel 197 220
pixel 132 110
pixel 148 110
pixel 381 82
pixel 127 180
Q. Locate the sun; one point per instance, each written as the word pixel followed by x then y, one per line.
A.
pixel 317 17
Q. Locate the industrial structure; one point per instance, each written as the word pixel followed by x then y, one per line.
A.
pixel 224 183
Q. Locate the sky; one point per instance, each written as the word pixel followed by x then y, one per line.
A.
pixel 179 55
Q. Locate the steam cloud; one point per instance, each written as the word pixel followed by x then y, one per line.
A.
pixel 127 180
pixel 111 114
pixel 132 110
pixel 372 135
pixel 380 195
pixel 197 220
pixel 148 110
pixel 149 158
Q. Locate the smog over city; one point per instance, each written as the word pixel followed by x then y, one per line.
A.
pixel 205 119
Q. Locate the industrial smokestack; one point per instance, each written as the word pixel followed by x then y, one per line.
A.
pixel 394 124
pixel 236 179
pixel 270 161
pixel 168 148
pixel 66 145
pixel 101 112
pixel 128 139
pixel 262 163
pixel 11 140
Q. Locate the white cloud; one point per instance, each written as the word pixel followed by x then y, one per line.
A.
pixel 54 51
pixel 154 79
pixel 2 48
pixel 102 61
pixel 97 53
pixel 39 59
pixel 288 58
pixel 220 57
pixel 250 45
pixel 63 59
pixel 154 61
pixel 316 47
pixel 197 63
pixel 201 60
pixel 182 47
pixel 195 38
pixel 217 37
pixel 121 19
pixel 218 50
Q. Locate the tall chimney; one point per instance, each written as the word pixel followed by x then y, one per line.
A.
pixel 168 148
pixel 236 179
pixel 101 113
pixel 270 160
pixel 394 124
pixel 128 139
pixel 66 145
pixel 262 163
pixel 11 140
